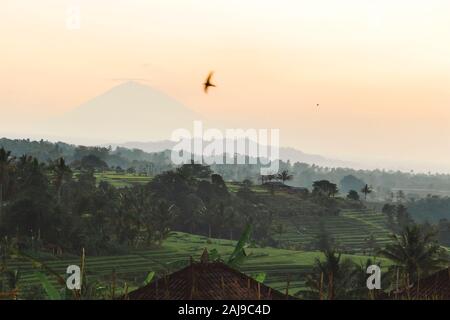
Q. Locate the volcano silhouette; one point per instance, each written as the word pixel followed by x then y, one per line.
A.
pixel 129 111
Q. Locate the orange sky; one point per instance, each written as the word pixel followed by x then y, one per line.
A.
pixel 380 71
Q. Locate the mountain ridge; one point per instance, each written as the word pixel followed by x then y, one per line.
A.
pixel 285 153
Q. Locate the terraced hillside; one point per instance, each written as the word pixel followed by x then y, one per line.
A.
pixel 120 180
pixel 278 264
pixel 350 229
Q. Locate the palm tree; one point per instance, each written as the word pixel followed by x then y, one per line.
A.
pixel 284 176
pixel 359 289
pixel 162 219
pixel 214 217
pixel 231 220
pixel 61 173
pixel 332 278
pixel 366 190
pixel 5 170
pixel 415 252
pixel 194 211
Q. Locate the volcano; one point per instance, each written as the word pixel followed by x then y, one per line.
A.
pixel 129 111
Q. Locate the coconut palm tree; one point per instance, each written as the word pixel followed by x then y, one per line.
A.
pixel 162 219
pixel 231 220
pixel 6 161
pixel 284 176
pixel 359 288
pixel 366 190
pixel 332 277
pixel 61 174
pixel 415 252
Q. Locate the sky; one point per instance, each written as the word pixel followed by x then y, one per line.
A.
pixel 379 70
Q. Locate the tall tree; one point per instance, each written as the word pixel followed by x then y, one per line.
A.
pixel 350 182
pixel 366 190
pixel 415 252
pixel 231 220
pixel 61 174
pixel 30 213
pixel 325 187
pixel 5 170
pixel 332 277
pixel 163 218
pixel 353 195
pixel 284 176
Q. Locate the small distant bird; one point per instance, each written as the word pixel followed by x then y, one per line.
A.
pixel 208 83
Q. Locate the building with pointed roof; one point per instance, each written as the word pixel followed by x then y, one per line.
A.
pixel 206 280
pixel 433 287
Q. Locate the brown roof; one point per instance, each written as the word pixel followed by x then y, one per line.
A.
pixel 433 287
pixel 206 281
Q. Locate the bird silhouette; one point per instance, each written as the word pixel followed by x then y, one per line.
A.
pixel 208 83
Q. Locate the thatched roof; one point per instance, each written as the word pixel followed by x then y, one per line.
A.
pixel 206 281
pixel 433 287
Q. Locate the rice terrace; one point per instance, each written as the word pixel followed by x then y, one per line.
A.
pixel 218 159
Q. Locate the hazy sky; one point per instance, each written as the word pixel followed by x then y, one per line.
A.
pixel 380 70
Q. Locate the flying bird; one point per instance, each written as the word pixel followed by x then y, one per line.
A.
pixel 208 83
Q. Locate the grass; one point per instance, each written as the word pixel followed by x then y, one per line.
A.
pixel 121 180
pixel 235 186
pixel 278 264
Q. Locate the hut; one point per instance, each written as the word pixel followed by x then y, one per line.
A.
pixel 433 287
pixel 206 280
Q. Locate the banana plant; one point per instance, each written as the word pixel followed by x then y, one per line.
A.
pixel 50 290
pixel 239 254
pixel 260 277
pixel 149 278
pixel 86 291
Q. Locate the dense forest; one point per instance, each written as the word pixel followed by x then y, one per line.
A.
pixel 430 209
pixel 385 183
pixel 55 205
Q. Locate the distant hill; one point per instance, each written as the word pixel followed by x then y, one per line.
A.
pixel 383 182
pixel 128 111
pixel 295 155
pixel 291 154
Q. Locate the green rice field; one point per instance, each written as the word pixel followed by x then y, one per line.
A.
pixel 278 264
pixel 350 229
